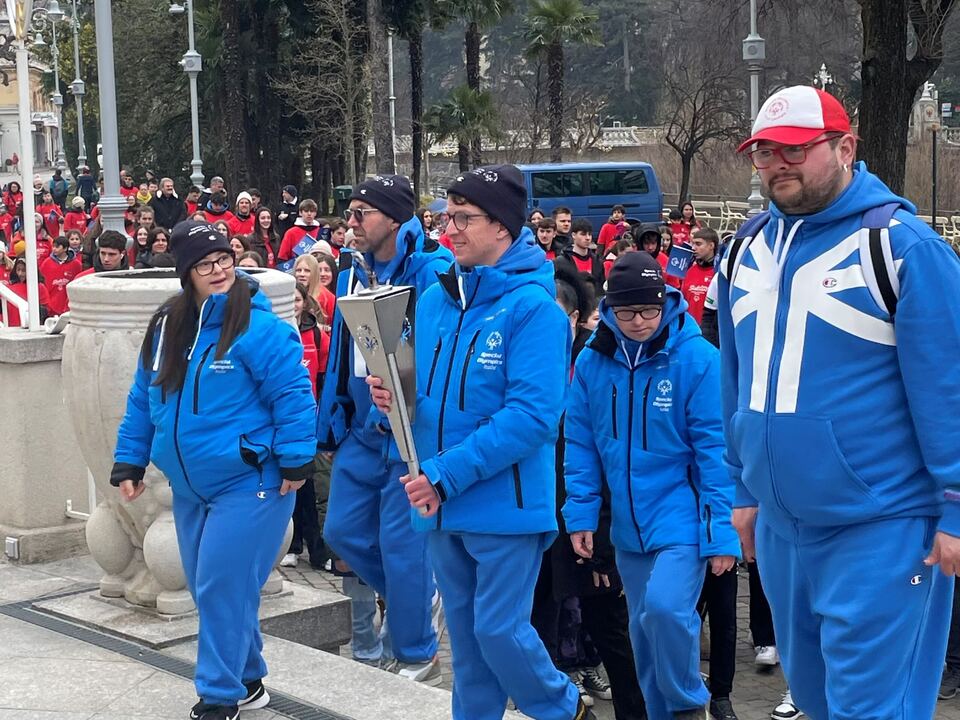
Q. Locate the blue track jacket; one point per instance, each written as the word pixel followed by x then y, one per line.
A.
pixel 493 356
pixel 345 404
pixel 646 418
pixel 246 418
pixel 833 409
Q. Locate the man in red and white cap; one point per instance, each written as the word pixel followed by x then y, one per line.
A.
pixel 829 417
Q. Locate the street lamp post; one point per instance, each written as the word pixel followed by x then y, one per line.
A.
pixel 77 89
pixel 18 14
pixel 192 64
pixel 55 15
pixel 754 53
pixel 112 204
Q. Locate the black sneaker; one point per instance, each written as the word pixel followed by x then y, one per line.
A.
pixel 722 709
pixel 949 683
pixel 583 712
pixel 257 696
pixel 692 714
pixel 203 711
pixel 197 711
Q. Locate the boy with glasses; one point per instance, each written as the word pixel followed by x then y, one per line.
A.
pixel 368 517
pixel 643 416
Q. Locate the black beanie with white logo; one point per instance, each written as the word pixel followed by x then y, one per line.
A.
pixel 499 191
pixel 192 241
pixel 635 279
pixel 390 194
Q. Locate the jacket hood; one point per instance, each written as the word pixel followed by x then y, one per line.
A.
pixel 300 222
pixel 673 330
pixel 523 263
pixel 307 321
pixel 209 208
pixel 864 192
pixel 69 257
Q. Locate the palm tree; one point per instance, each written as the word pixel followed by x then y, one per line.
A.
pixel 466 115
pixel 549 25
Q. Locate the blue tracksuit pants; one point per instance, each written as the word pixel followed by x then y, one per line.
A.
pixel 662 589
pixel 228 547
pixel 487 586
pixel 368 524
pixel 861 622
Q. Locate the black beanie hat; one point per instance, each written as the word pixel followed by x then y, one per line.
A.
pixel 192 241
pixel 635 279
pixel 499 191
pixel 390 194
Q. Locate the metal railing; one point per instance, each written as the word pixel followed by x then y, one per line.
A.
pixel 8 296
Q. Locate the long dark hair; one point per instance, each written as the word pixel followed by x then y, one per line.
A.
pixel 179 317
pixel 272 234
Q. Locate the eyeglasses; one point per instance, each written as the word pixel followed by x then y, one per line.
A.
pixel 358 213
pixel 647 313
pixel 462 219
pixel 762 158
pixel 205 267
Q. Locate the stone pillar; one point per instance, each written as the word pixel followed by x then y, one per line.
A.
pixel 41 466
pixel 135 543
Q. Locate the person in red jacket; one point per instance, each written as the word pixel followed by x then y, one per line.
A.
pixel 62 266
pixel 216 209
pixel 649 240
pixel 44 243
pixel 6 224
pixel 316 340
pixel 127 186
pixel 305 226
pixel 705 242
pixel 18 283
pixel 52 215
pixel 76 218
pixel 612 229
pixel 192 200
pixel 243 220
pixel 13 197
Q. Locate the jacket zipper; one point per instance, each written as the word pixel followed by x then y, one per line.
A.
pixel 613 411
pixel 706 510
pixel 633 509
pixel 443 397
pixel 646 393
pixel 176 445
pixel 466 367
pixel 517 487
pixel 433 367
pixel 196 380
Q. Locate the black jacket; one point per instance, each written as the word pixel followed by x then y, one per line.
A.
pixel 168 211
pixel 595 275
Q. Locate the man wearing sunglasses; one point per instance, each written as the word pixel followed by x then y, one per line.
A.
pixel 643 418
pixel 368 517
pixel 831 394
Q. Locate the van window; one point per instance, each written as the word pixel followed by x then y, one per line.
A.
pixel 618 182
pixel 558 184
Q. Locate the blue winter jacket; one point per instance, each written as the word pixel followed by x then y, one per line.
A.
pixel 646 417
pixel 246 419
pixel 345 404
pixel 833 411
pixel 493 356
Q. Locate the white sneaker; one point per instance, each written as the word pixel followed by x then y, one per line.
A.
pixel 427 673
pixel 289 560
pixel 767 656
pixel 786 710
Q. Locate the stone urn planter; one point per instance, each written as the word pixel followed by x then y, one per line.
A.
pixel 135 543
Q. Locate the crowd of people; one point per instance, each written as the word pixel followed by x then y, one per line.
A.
pixel 611 422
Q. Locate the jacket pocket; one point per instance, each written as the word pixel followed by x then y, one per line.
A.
pixel 811 475
pixel 433 365
pixel 466 369
pixel 253 453
pixel 613 411
pixel 517 487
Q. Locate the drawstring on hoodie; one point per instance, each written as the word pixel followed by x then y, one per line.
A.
pixel 636 359
pixel 463 298
pixel 199 328
pixel 780 252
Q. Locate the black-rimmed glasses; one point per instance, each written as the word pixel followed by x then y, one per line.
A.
pixel 205 267
pixel 628 314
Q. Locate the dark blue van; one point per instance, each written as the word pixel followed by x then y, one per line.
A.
pixel 590 190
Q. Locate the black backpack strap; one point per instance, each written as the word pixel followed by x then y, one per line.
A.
pixel 880 260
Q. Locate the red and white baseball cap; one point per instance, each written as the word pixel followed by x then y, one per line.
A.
pixel 796 115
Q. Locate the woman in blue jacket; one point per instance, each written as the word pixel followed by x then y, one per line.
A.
pixel 644 413
pixel 232 427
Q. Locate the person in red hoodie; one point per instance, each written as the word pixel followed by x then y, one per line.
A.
pixel 705 242
pixel 13 197
pixel 18 283
pixel 216 209
pixel 44 243
pixel 52 215
pixel 243 220
pixel 612 229
pixel 127 186
pixel 76 218
pixel 264 239
pixel 306 226
pixel 192 199
pixel 316 340
pixel 62 266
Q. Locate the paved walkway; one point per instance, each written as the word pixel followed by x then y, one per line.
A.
pixel 48 675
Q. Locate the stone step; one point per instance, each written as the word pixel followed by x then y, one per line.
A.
pixel 343 686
